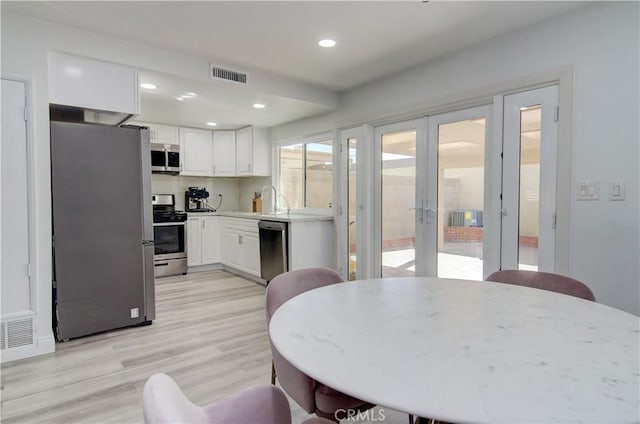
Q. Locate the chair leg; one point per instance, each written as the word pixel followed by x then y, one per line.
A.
pixel 410 418
pixel 273 374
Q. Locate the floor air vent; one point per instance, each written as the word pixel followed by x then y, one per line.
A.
pixel 16 333
pixel 226 74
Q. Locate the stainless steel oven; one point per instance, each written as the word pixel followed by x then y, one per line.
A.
pixel 165 158
pixel 169 237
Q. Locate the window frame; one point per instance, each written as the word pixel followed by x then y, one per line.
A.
pixel 316 138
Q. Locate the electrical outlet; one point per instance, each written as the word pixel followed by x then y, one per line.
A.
pixel 135 312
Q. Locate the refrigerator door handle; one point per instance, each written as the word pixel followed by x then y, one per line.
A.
pixel 149 281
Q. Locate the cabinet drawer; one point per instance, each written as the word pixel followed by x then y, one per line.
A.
pixel 248 225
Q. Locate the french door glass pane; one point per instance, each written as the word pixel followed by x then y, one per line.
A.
pixel 351 202
pixel 530 125
pixel 291 174
pixel 319 172
pixel 460 198
pixel 398 201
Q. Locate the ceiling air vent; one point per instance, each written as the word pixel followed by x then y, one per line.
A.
pixel 229 75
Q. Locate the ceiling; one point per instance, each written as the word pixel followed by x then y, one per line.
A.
pixel 374 39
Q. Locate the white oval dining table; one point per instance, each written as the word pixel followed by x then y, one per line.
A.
pixel 466 351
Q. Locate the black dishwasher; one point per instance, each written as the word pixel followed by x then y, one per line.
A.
pixel 273 249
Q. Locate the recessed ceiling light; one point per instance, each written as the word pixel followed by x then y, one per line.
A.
pixel 211 124
pixel 259 106
pixel 188 96
pixel 191 94
pixel 180 98
pixel 327 42
pixel 148 85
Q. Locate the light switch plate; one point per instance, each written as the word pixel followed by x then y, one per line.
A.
pixel 616 190
pixel 588 190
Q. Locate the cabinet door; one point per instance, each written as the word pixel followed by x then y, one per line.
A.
pixel 92 84
pixel 251 253
pixel 232 248
pixel 164 134
pixel 210 240
pixel 262 150
pixel 224 153
pixel 244 151
pixel 196 152
pixel 194 241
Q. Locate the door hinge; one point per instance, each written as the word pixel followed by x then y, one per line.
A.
pixel 29 270
pixel 556 115
pixel 26 114
pixel 340 147
pixel 554 219
pixel 501 155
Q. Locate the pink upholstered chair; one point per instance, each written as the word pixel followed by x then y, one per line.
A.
pixel 312 396
pixel 545 281
pixel 163 402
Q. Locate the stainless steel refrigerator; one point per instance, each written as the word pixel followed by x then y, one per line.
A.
pixel 102 228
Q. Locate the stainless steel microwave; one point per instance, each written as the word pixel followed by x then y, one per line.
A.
pixel 165 158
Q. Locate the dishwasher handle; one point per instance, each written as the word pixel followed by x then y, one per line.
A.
pixel 272 225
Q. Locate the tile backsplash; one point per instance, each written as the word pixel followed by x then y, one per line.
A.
pixel 236 192
pixel 178 184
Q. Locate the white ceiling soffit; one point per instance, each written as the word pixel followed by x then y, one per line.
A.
pixel 374 38
pixel 226 103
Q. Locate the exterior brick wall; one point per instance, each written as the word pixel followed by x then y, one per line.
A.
pixel 463 234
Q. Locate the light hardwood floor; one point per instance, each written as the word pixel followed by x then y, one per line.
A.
pixel 209 335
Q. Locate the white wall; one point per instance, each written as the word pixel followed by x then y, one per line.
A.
pixel 600 42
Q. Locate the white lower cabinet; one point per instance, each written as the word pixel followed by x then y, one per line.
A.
pixel 203 235
pixel 241 249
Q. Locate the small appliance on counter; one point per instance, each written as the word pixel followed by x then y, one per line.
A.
pixel 195 200
pixel 256 202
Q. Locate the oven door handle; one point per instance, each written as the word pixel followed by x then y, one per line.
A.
pixel 167 224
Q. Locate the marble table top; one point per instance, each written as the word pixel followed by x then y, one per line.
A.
pixel 466 351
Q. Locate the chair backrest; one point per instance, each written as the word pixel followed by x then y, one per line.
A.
pixel 290 284
pixel 283 287
pixel 545 281
pixel 163 402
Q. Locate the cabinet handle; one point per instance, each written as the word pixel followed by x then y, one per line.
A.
pixel 239 239
pixel 203 223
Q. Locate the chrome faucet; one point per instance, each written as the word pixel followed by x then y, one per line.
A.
pixel 275 198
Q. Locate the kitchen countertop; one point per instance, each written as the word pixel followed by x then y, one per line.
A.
pixel 267 216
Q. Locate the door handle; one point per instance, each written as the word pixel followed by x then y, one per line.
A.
pixel 419 211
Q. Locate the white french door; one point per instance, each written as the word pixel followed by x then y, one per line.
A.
pixel 399 187
pixel 352 249
pixel 455 200
pixel 529 180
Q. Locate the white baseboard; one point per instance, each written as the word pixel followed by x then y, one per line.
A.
pixel 45 344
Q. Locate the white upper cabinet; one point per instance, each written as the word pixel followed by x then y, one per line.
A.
pixel 92 84
pixel 224 153
pixel 160 133
pixel 196 150
pixel 253 152
pixel 164 134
